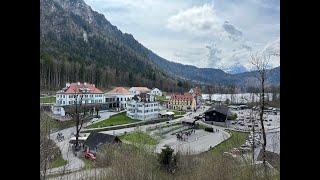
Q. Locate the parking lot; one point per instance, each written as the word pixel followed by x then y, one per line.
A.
pixel 248 118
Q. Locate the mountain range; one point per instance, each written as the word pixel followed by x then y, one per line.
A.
pixel 72 33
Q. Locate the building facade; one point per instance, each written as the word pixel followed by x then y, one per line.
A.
pixel 185 102
pixel 217 115
pixel 197 94
pixel 138 90
pixel 120 96
pixel 74 93
pixel 156 91
pixel 143 107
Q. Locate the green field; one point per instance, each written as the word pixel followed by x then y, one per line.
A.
pixel 48 100
pixel 58 163
pixel 142 123
pixel 178 113
pixel 161 98
pixel 236 140
pixel 139 137
pixel 113 120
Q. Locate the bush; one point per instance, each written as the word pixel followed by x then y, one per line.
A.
pixel 209 129
pixel 233 116
pixel 167 159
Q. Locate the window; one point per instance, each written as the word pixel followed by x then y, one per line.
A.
pixel 64 97
pixel 117 99
pixel 121 99
pixel 69 102
pixel 64 102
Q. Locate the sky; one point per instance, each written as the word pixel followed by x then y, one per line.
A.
pixel 207 34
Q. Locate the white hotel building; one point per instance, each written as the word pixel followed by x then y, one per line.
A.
pixel 143 107
pixel 121 95
pixel 73 93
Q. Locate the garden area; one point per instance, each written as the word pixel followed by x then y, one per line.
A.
pixel 51 99
pixel 113 120
pixel 161 98
pixel 236 140
pixel 179 113
pixel 139 137
pixel 58 162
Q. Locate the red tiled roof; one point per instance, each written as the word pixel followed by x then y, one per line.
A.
pixel 142 89
pixel 185 96
pixel 197 91
pixel 74 88
pixel 119 90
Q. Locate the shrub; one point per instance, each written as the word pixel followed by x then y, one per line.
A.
pixel 167 159
pixel 209 129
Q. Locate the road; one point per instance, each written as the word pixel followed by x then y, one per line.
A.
pixel 98 173
pixel 73 163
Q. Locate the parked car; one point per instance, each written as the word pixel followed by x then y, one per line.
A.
pixel 268 124
pixel 94 120
pixel 270 119
pixel 249 125
pixel 90 155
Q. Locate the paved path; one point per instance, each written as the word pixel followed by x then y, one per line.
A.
pixel 73 163
pixel 98 173
pixel 196 143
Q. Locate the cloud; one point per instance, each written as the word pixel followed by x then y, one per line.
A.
pixel 197 20
pixel 201 33
pixel 231 29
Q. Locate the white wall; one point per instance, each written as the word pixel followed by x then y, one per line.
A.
pixel 157 92
pixel 67 99
pixel 123 98
pixel 139 110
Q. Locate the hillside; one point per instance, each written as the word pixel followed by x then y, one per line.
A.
pixel 79 44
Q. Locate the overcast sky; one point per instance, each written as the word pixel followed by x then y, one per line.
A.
pixel 217 34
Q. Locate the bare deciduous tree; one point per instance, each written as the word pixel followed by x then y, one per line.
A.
pixel 260 63
pixel 78 111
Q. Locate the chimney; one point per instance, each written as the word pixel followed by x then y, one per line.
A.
pixel 67 84
pixel 78 83
pixel 93 85
pixel 85 83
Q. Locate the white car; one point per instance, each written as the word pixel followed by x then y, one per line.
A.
pixel 94 120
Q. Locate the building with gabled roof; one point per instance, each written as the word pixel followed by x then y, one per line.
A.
pixel 197 94
pixel 138 90
pixel 119 96
pixel 75 93
pixel 156 91
pixel 96 139
pixel 143 106
pixel 217 115
pixel 185 102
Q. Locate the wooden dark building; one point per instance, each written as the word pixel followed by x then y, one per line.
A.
pixel 95 140
pixel 217 113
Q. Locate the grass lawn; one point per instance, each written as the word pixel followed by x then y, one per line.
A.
pixel 48 100
pixel 45 120
pixel 113 120
pixel 58 163
pixel 88 163
pixel 236 140
pixel 176 117
pixel 142 123
pixel 178 113
pixel 139 137
pixel 161 98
